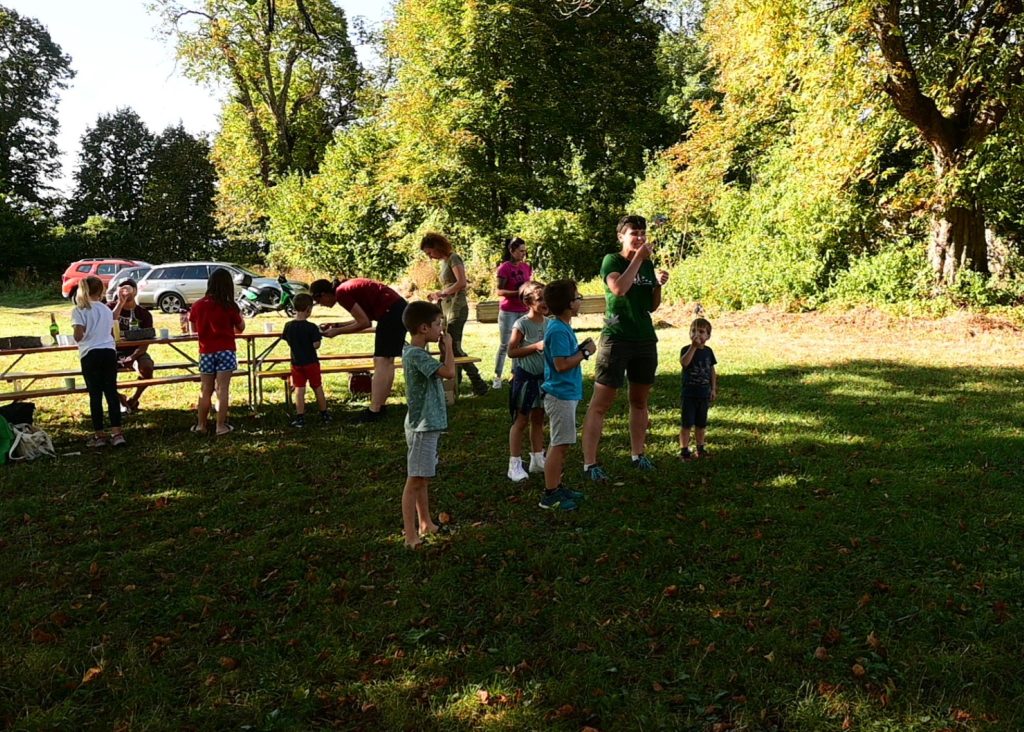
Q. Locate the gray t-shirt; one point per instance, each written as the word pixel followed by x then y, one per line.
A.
pixel 532 333
pixel 424 391
pixel 456 306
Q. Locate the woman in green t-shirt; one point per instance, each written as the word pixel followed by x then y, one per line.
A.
pixel 452 297
pixel 629 345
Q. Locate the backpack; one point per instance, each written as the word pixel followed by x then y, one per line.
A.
pixel 6 439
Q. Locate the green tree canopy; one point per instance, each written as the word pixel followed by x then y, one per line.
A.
pixel 33 71
pixel 112 168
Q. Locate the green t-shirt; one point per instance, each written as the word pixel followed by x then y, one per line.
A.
pixel 628 317
pixel 456 306
pixel 424 391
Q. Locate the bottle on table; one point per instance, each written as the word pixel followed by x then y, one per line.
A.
pixel 54 329
pixel 183 319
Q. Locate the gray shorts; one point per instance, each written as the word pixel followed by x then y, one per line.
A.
pixel 562 417
pixel 421 460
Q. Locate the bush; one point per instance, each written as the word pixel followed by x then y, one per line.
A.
pixel 897 273
pixel 561 243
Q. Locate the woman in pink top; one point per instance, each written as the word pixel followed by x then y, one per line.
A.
pixel 513 273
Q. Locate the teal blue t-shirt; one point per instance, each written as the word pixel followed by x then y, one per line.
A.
pixel 560 340
pixel 424 391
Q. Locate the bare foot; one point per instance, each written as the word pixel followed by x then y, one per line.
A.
pixel 413 546
pixel 429 529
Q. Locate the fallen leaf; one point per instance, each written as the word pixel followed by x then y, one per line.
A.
pixel 484 696
pixel 92 674
pixel 444 517
pixel 832 636
pixel 657 688
pixel 60 619
pixel 41 636
pixel 229 664
pixel 864 601
pixel 873 641
pixel 769 657
pixel 821 653
pixel 858 670
pixel 670 591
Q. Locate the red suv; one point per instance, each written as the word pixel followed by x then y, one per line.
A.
pixel 101 267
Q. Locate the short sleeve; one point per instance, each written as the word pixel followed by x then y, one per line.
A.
pixel 236 316
pixel 683 351
pixel 560 343
pixel 711 357
pixel 608 265
pixel 503 270
pixel 144 317
pixel 424 362
pixel 77 317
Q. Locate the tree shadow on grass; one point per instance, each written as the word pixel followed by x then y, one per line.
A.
pixel 865 498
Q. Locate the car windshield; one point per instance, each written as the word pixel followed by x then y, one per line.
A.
pixel 243 270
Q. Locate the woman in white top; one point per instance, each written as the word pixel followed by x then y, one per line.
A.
pixel 93 324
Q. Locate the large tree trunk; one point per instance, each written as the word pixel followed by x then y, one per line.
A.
pixel 958 242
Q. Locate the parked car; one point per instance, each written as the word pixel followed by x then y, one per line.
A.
pixel 102 267
pixel 175 286
pixel 131 273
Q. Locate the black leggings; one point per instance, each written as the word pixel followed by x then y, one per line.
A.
pixel 99 369
pixel 455 327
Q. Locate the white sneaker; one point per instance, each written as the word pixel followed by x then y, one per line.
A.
pixel 515 471
pixel 497 383
pixel 537 463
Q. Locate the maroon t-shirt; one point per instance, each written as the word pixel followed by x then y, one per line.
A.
pixel 374 298
pixel 215 325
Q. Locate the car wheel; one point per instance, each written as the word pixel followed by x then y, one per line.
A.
pixel 170 302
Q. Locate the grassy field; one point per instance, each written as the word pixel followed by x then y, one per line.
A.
pixel 849 558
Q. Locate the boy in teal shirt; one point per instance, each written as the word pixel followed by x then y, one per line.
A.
pixel 563 388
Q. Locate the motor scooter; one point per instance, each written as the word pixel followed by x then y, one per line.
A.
pixel 253 300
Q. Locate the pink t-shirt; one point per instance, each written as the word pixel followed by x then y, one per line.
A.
pixel 515 274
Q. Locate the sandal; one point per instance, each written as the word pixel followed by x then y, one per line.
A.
pixel 227 429
pixel 196 428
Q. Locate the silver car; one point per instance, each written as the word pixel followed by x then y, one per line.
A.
pixel 175 286
pixel 131 273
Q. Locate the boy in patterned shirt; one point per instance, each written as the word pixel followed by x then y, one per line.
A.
pixel 428 413
pixel 700 387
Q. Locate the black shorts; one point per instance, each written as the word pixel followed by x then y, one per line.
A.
pixel 390 336
pixel 617 360
pixel 694 412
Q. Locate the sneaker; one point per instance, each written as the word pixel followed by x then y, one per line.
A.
pixel 702 451
pixel 537 464
pixel 133 404
pixel 685 455
pixel 557 499
pixel 325 417
pixel 480 388
pixel 118 440
pixel 643 463
pixel 574 495
pixel 496 384
pixel 369 416
pixel 596 474
pixel 97 442
pixel 299 421
pixel 516 472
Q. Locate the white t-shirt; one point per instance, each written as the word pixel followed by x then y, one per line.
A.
pixel 99 323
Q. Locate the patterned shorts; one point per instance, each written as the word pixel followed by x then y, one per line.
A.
pixel 211 363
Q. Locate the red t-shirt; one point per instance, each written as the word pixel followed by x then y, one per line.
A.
pixel 215 325
pixel 374 298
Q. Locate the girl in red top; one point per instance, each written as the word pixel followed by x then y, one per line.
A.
pixel 216 319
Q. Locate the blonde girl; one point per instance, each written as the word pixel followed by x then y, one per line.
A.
pixel 526 406
pixel 93 322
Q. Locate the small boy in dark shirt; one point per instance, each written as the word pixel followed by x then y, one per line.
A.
pixel 700 387
pixel 304 338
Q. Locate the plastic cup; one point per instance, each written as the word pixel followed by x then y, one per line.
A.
pixel 165 333
pixel 69 383
pixel 268 327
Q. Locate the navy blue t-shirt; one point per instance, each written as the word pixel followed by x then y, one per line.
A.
pixel 301 335
pixel 697 376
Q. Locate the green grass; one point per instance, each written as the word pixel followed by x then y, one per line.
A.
pixel 864 498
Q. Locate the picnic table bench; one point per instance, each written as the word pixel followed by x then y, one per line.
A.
pixel 17 396
pixel 487 310
pixel 362 363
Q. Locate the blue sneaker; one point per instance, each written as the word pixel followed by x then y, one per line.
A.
pixel 643 463
pixel 596 474
pixel 559 499
pixel 574 495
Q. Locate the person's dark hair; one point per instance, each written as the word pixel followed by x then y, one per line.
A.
pixel 303 302
pixel 221 288
pixel 130 282
pixel 321 287
pixel 630 222
pixel 437 242
pixel 700 323
pixel 511 244
pixel 559 296
pixel 418 313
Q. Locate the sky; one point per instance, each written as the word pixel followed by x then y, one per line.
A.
pixel 120 60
